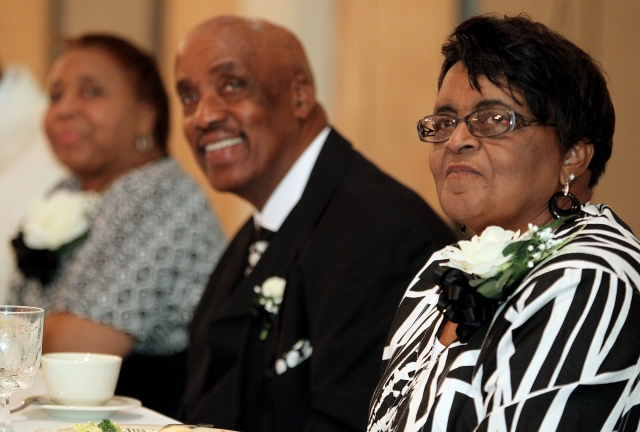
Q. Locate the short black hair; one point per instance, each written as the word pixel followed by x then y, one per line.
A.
pixel 143 71
pixel 561 83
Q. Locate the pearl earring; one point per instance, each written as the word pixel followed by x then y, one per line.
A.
pixel 565 190
pixel 144 143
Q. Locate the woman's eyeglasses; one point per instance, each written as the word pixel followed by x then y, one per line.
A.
pixel 484 123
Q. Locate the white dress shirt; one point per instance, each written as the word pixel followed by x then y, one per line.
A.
pixel 288 192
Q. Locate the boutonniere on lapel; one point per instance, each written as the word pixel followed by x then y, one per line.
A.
pixel 268 302
pixel 53 228
pixel 479 271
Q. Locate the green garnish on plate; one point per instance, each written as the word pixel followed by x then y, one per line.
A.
pixel 105 425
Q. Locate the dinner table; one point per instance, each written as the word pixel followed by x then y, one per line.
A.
pixel 35 418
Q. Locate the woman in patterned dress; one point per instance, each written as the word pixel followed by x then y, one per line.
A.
pixel 130 284
pixel 521 134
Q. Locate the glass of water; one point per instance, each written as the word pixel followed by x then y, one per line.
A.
pixel 20 353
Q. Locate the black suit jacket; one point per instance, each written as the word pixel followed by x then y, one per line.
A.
pixel 348 251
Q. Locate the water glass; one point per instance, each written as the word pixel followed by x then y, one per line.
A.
pixel 20 353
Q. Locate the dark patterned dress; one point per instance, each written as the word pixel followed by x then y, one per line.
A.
pixel 152 245
pixel 562 353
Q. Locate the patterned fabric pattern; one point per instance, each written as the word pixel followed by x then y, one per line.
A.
pixel 257 248
pixel 152 246
pixel 562 353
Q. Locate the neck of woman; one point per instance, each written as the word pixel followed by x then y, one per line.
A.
pixel 100 181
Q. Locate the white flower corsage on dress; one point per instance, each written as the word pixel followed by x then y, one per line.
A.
pixel 268 302
pixel 477 273
pixel 53 227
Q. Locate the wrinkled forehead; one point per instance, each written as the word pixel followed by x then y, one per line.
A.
pixel 257 47
pixel 479 89
pixel 208 44
pixel 481 83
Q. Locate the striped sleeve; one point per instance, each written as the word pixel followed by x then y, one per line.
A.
pixel 562 353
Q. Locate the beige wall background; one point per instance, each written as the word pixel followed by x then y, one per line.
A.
pixel 376 63
pixel 25 31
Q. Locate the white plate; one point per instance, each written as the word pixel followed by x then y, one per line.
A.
pixel 144 427
pixel 74 412
pixel 69 428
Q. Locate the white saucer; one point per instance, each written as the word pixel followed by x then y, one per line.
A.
pixel 74 412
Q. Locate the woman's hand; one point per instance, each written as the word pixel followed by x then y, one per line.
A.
pixel 448 333
pixel 68 332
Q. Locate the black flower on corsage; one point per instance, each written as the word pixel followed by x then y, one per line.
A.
pixel 40 264
pixel 53 228
pixel 462 304
pixel 480 272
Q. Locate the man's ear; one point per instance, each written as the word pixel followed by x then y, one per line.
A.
pixel 577 160
pixel 304 96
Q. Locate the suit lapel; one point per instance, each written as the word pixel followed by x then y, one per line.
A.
pixel 285 248
pixel 227 273
pixel 290 239
pixel 325 177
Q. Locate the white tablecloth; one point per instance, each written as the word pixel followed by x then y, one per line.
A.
pixel 33 418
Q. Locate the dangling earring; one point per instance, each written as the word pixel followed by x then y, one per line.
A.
pixel 557 211
pixel 144 143
pixel 463 228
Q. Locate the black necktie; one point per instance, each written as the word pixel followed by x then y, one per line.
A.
pixel 257 248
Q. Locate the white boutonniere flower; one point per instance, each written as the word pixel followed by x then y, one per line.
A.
pixel 482 256
pixel 59 219
pixel 497 258
pixel 269 298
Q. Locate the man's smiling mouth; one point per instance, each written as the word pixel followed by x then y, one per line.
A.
pixel 222 144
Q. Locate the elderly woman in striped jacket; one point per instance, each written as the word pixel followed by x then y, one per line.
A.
pixel 534 324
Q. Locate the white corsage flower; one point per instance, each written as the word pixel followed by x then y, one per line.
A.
pixel 59 219
pixel 270 296
pixel 482 256
pixel 497 258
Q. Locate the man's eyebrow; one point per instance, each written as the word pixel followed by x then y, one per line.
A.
pixel 183 85
pixel 222 67
pixel 226 67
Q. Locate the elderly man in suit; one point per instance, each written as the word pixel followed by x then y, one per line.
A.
pixel 289 333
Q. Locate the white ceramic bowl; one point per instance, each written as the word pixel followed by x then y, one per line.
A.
pixel 81 379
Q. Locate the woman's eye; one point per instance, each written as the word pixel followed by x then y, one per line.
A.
pixel 55 96
pixel 491 118
pixel 497 119
pixel 443 124
pixel 91 91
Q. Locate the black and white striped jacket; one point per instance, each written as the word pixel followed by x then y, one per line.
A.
pixel 562 353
